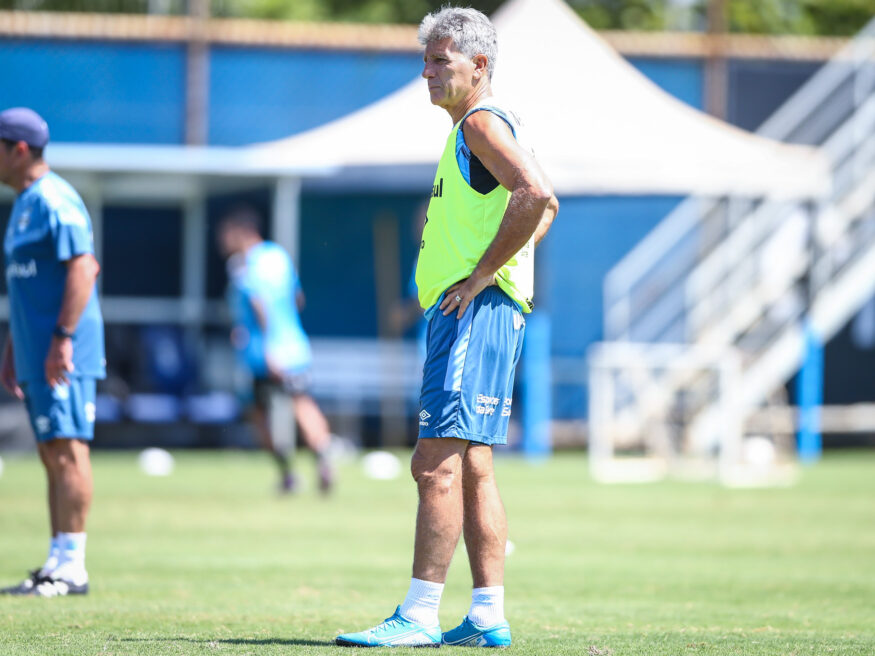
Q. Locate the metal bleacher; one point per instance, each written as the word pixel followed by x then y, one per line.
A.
pixel 742 280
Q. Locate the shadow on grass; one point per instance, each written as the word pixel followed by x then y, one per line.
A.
pixel 238 641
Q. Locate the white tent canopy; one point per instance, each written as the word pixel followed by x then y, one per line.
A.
pixel 597 125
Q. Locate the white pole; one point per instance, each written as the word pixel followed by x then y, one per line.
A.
pixel 286 216
pixel 194 258
pixel 285 225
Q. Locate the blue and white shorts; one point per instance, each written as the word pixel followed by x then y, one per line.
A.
pixel 467 380
pixel 63 411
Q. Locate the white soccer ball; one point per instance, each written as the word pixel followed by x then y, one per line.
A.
pixel 509 548
pixel 381 465
pixel 156 462
pixel 759 451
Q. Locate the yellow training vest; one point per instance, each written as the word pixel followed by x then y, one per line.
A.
pixel 461 223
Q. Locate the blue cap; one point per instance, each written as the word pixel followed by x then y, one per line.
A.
pixel 23 124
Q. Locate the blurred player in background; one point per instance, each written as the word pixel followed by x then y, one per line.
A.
pixel 264 295
pixel 55 352
pixel 490 205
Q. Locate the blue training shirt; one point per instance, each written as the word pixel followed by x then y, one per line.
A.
pixel 266 274
pixel 48 226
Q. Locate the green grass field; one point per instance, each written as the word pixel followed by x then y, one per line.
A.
pixel 210 561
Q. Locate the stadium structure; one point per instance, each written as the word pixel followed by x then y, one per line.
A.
pixel 625 154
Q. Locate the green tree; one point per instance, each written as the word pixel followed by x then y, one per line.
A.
pixel 622 14
pixel 839 17
pixel 823 17
pixel 359 11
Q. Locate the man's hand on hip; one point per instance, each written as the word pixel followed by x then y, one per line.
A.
pixel 59 361
pixel 460 294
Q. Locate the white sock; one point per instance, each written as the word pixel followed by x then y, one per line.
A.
pixel 422 602
pixel 71 562
pixel 52 559
pixel 487 606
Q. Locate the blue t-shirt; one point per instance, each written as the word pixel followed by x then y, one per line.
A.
pixel 48 226
pixel 266 274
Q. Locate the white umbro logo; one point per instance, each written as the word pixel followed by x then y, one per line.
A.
pixel 424 415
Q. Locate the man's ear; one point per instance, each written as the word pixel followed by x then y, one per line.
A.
pixel 481 63
pixel 22 149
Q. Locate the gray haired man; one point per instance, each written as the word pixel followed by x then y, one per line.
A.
pixel 490 205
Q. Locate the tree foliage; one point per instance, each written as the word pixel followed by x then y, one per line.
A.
pixel 365 11
pixel 822 17
pixel 624 14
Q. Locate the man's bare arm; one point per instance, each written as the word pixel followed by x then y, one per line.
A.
pixel 82 271
pixel 492 141
pixel 547 220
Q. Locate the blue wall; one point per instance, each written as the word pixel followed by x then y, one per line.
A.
pixel 98 92
pixel 262 94
pixel 142 251
pixel 135 93
pixel 758 87
pixel 120 92
pixel 682 78
pixel 589 236
pixel 337 258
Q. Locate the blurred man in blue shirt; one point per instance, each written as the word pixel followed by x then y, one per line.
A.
pixel 263 295
pixel 54 354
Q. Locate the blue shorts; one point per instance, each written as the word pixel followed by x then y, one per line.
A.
pixel 65 411
pixel 467 380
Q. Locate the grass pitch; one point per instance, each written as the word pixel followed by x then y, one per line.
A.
pixel 211 561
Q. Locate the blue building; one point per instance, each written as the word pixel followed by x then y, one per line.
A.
pixel 102 87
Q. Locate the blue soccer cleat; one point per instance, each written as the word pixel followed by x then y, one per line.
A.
pixel 395 631
pixel 468 634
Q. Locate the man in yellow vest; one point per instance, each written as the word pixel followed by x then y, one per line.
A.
pixel 491 203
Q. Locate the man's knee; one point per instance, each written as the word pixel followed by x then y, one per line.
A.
pixel 441 479
pixel 44 455
pixel 62 454
pixel 436 465
pixel 477 467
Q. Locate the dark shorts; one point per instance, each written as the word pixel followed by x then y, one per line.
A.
pixel 297 384
pixel 65 410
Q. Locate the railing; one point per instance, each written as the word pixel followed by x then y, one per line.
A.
pixel 643 301
pixel 749 294
pixel 733 279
